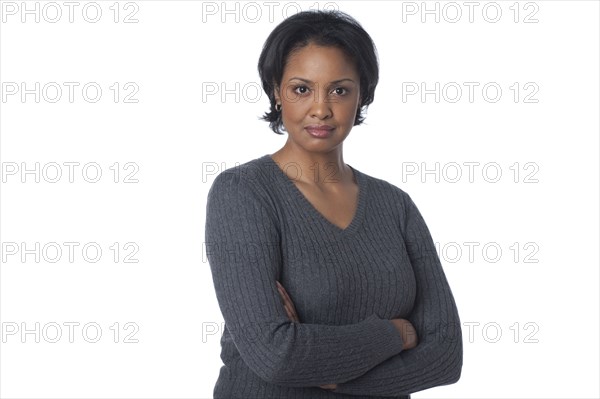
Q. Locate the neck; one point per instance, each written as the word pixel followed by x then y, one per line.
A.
pixel 325 169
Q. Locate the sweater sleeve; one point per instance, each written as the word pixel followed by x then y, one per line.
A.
pixel 242 238
pixel 437 358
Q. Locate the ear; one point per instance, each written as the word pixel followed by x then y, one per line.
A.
pixel 276 94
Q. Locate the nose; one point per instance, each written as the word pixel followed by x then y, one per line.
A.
pixel 320 107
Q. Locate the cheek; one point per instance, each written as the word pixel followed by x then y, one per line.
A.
pixel 348 113
pixel 295 111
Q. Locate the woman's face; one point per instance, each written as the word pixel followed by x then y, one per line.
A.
pixel 320 86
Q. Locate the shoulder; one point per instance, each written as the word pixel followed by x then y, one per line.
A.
pixel 243 184
pixel 237 198
pixel 236 178
pixel 383 188
pixel 391 199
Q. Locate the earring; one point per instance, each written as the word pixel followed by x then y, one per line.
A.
pixel 278 107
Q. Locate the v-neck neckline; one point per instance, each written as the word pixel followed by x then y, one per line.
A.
pixel 294 190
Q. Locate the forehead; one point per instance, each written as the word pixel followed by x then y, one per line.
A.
pixel 313 62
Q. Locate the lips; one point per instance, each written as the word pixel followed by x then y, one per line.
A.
pixel 319 131
pixel 319 127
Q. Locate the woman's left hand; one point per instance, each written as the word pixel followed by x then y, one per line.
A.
pixel 291 312
pixel 287 303
pixel 329 386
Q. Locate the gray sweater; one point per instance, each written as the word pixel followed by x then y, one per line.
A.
pixel 346 285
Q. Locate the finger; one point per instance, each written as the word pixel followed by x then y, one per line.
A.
pixel 280 292
pixel 287 301
pixel 281 288
pixel 282 295
pixel 292 308
pixel 288 311
pixel 286 307
pixel 292 304
pixel 286 295
pixel 289 314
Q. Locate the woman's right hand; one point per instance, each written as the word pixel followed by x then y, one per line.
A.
pixel 408 333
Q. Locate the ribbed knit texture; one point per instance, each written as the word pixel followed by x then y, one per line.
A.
pixel 346 284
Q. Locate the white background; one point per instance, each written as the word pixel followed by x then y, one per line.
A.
pixel 179 135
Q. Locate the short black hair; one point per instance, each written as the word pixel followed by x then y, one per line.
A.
pixel 329 28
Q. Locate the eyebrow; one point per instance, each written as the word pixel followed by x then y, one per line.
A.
pixel 334 82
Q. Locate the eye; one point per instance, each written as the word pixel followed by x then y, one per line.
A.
pixel 340 91
pixel 300 89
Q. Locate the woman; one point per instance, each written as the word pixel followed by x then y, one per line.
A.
pixel 327 278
